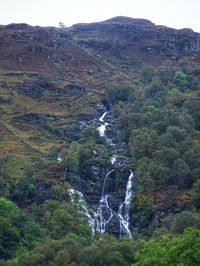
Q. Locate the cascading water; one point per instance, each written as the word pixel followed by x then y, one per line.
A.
pixel 105 213
pixel 123 212
pixel 113 159
pixel 102 128
pixel 101 119
pixel 79 202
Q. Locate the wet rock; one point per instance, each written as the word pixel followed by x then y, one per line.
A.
pixel 93 172
pixel 114 202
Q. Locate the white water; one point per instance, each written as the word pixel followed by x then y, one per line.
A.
pixel 59 159
pixel 123 212
pixel 101 119
pixel 79 202
pixel 104 182
pixel 104 213
pixel 102 128
pixel 113 159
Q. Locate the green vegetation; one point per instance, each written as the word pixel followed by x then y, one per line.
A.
pixel 52 85
pixel 159 122
pixel 175 251
pixel 18 232
pixel 158 119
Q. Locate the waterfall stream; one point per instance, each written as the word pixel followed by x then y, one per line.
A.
pixel 100 218
pixel 79 202
pixel 123 212
pixel 102 128
pixel 104 212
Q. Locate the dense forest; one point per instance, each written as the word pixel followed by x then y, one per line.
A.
pixel 50 144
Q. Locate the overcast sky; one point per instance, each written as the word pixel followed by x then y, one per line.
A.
pixel 172 13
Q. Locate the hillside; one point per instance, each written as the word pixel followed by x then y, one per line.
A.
pixel 99 133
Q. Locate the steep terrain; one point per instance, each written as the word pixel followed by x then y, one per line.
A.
pixel 103 117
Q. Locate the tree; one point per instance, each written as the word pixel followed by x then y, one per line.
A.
pixel 192 105
pixel 61 218
pixel 148 73
pixel 183 64
pixel 143 142
pixel 71 157
pixel 167 155
pixel 167 140
pixel 9 231
pixel 181 80
pixel 17 232
pixel 8 209
pixel 195 194
pixel 156 91
pixel 181 173
pixel 56 252
pixel 167 71
pixel 182 250
pixel 141 210
pixel 24 190
pixel 9 238
pixel 192 156
pixel 108 252
pixel 183 220
pixel 145 181
pixel 179 134
pixel 116 94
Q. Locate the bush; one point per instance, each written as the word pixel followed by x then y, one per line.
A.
pixel 116 94
pixel 183 220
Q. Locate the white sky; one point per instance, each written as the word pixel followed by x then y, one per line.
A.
pixel 172 13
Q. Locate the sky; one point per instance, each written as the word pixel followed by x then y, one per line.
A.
pixel 172 13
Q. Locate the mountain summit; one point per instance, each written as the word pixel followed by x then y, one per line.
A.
pixel 123 40
pixel 128 20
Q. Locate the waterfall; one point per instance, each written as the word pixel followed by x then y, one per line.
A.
pixel 101 119
pixel 104 213
pixel 59 159
pixel 102 128
pixel 79 202
pixel 113 159
pixel 123 212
